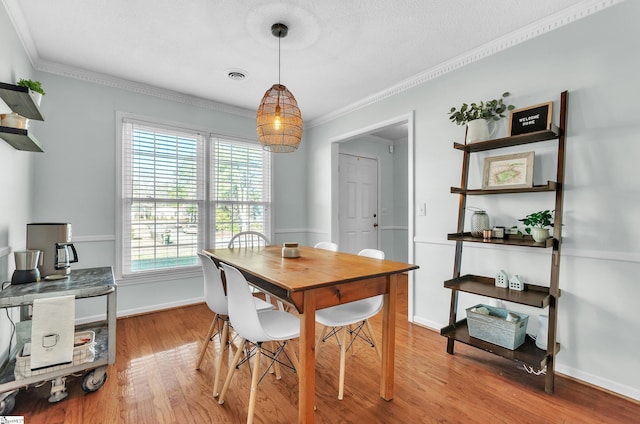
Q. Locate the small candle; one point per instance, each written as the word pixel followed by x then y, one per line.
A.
pixel 290 250
pixel 486 234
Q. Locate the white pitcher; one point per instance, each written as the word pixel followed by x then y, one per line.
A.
pixel 478 130
pixel 543 333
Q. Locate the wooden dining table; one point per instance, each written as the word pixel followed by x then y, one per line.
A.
pixel 319 279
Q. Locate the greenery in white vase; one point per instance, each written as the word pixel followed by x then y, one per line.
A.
pixel 489 110
pixel 540 219
pixel 32 85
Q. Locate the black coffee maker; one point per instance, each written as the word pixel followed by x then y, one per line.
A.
pixel 26 267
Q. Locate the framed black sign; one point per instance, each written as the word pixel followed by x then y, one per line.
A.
pixel 530 119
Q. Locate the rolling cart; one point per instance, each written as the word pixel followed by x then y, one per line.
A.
pixel 101 335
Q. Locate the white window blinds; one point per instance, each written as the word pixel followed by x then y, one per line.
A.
pixel 163 196
pixel 240 189
pixel 182 191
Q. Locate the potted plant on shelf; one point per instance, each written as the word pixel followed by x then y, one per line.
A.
pixel 537 224
pixel 35 87
pixel 476 116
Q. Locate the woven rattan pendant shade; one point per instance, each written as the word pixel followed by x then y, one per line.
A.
pixel 279 122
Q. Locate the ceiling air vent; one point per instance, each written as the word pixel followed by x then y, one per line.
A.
pixel 236 75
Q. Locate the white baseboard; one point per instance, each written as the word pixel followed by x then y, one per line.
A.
pixel 596 380
pixel 141 310
pixel 431 325
pixel 587 378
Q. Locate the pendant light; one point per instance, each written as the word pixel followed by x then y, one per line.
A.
pixel 279 122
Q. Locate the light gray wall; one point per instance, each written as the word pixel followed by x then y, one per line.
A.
pixel 400 202
pixel 76 179
pixel 593 59
pixel 16 173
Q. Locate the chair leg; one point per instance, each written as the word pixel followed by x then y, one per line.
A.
pixel 254 386
pixel 276 364
pixel 292 356
pixel 343 354
pixel 223 344
pixel 351 337
pixel 203 350
pixel 324 331
pixel 232 368
pixel 373 338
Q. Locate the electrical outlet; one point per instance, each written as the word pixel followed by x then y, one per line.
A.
pixel 422 210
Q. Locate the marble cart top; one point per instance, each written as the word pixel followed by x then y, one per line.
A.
pixel 87 282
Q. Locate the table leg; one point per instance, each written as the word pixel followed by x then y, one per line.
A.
pixel 388 338
pixel 307 376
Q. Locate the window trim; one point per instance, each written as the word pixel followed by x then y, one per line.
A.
pixel 166 274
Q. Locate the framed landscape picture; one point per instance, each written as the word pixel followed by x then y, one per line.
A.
pixel 508 171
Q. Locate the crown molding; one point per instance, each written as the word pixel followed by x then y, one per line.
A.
pixel 17 19
pixel 136 87
pixel 562 18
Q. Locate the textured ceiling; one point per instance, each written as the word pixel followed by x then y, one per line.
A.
pixel 337 52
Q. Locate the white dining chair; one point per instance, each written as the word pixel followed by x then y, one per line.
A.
pixel 327 245
pixel 216 299
pixel 350 318
pixel 257 327
pixel 253 239
pixel 248 239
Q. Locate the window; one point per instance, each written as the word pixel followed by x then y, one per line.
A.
pixel 183 190
pixel 240 189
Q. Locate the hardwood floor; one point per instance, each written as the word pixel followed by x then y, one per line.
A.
pixel 154 381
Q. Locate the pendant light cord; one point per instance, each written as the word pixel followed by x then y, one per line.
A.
pixel 278 99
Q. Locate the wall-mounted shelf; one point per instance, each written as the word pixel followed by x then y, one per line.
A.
pixel 20 139
pixel 19 99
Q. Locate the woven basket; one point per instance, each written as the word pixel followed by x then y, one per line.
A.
pixel 83 351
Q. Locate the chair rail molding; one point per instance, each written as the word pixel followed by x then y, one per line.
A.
pixel 603 255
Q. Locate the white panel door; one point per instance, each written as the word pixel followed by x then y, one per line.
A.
pixel 358 208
